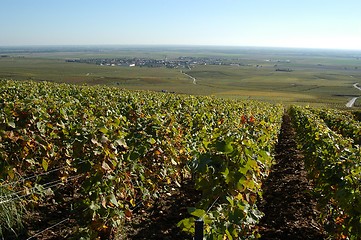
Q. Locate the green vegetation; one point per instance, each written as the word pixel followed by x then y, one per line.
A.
pixel 11 213
pixel 334 165
pixel 322 78
pixel 116 149
pixel 66 125
pixel 342 122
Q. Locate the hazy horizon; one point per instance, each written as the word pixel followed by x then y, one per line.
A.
pixel 172 47
pixel 304 24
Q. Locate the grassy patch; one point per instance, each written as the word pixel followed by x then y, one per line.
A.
pixel 10 213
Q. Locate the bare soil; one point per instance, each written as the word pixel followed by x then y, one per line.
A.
pixel 160 221
pixel 289 207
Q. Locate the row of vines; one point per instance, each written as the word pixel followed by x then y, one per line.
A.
pixel 342 122
pixel 330 141
pixel 117 149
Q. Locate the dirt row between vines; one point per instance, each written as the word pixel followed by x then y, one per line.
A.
pixel 289 207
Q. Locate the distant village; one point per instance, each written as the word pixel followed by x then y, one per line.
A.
pixel 180 62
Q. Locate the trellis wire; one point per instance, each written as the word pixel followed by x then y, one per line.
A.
pixel 36 175
pixel 37 234
pixel 46 185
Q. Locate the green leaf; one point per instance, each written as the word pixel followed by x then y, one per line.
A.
pixel 228 148
pixel 187 225
pixel 103 130
pixel 197 212
pixel 152 141
pixel 205 143
pixel 117 122
pixel 230 200
pixel 226 175
pixel 113 200
pixel 12 124
pixel 45 165
pixel 225 147
pixel 229 236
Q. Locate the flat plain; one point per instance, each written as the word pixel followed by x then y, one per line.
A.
pixel 315 77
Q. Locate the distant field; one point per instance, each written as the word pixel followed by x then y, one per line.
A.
pixel 288 76
pixel 306 85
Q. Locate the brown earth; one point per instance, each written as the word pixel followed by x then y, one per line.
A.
pixel 160 221
pixel 289 207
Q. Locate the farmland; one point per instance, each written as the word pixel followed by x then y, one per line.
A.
pixel 98 152
pixel 316 77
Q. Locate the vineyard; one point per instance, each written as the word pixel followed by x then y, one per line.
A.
pixel 333 161
pixel 92 159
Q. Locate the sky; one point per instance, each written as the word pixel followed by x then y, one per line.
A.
pixel 334 24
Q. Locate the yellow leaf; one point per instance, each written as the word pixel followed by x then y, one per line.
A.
pixel 35 198
pixel 45 165
pixel 239 196
pixel 168 180
pixel 28 184
pixel 64 178
pixel 50 146
pixel 11 173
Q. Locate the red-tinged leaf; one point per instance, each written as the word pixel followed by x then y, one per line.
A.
pixel 128 213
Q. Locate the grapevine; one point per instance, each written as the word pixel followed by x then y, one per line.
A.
pixel 119 148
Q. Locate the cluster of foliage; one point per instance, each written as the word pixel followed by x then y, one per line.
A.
pixel 342 122
pixel 334 163
pixel 357 114
pixel 119 149
pixel 234 157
